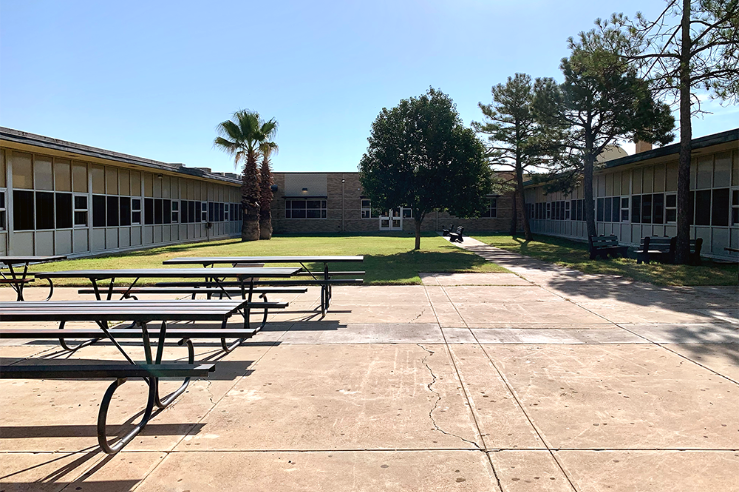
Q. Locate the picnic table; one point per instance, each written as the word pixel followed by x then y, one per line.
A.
pixel 18 280
pixel 140 313
pixel 322 278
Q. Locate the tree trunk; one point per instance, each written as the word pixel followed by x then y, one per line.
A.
pixel 265 228
pixel 250 225
pixel 417 221
pixel 526 226
pixel 588 192
pixel 514 215
pixel 684 211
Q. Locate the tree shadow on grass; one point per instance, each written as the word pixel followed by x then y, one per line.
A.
pixel 403 268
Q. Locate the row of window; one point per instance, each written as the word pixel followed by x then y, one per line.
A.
pixel 710 207
pixel 368 212
pixel 47 210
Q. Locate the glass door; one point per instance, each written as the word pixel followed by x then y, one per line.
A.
pixel 393 221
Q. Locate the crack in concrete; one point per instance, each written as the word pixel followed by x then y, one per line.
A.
pixel 207 389
pixel 419 315
pixel 438 399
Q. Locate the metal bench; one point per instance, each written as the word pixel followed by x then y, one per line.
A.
pixel 445 232
pixel 140 313
pixel 457 237
pixel 606 245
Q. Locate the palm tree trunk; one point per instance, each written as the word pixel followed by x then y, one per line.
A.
pixel 265 227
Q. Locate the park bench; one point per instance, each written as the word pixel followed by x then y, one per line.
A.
pixel 445 232
pixel 140 313
pixel 663 250
pixel 606 245
pixel 19 279
pixel 457 237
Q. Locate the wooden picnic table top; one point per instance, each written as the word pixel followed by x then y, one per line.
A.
pixel 261 259
pixel 173 310
pixel 15 260
pixel 172 273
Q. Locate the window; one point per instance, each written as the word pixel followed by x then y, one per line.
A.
pixel 366 206
pixel 2 211
pixel 203 211
pixel 136 210
pixel 148 211
pixel 616 211
pixel 23 210
pixel 636 209
pixel 63 210
pixel 720 210
pixel 211 212
pixel 112 212
pixel 221 214
pixel 167 211
pixel 646 209
pixel 80 210
pixel 624 209
pixel 671 208
pixel 599 210
pixel 703 207
pixel 158 211
pixel 658 208
pixel 407 213
pixel 175 211
pixel 607 212
pixel 549 210
pixel 734 207
pixel 98 211
pixel 305 209
pixel 125 209
pixel 491 212
pixel 44 210
pixel 185 211
pixel 226 210
pixel 567 210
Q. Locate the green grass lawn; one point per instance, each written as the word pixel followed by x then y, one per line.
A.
pixel 575 255
pixel 388 259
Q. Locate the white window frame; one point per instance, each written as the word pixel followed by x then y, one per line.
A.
pixel 75 210
pixel 366 211
pixel 625 208
pixel 549 210
pixel 203 211
pixel 567 210
pixel 734 206
pixel 175 211
pixel 666 208
pixel 135 210
pixel 3 209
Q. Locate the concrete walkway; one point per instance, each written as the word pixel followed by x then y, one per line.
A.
pixel 540 379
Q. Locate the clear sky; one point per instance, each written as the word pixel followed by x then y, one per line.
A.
pixel 154 78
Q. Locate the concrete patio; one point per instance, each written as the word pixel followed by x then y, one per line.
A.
pixel 543 379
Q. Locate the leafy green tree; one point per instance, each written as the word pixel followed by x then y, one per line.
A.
pixel 241 137
pixel 601 101
pixel 265 189
pixel 692 46
pixel 421 156
pixel 515 137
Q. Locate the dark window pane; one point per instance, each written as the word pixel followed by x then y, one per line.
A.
pixel 211 212
pixel 671 215
pixel 636 209
pixel 112 211
pixel 158 211
pixel 607 212
pixel 671 201
pixel 720 210
pixel 735 197
pixel 192 211
pixel 646 209
pixel 298 214
pixel 80 218
pixel 658 207
pixel 98 211
pixel 314 214
pixel 23 210
pixel 125 211
pixel 703 207
pixel 167 212
pixel 599 211
pixel 183 211
pixel 80 202
pixel 63 210
pixel 734 216
pixel 615 214
pixel 148 211
pixel 44 210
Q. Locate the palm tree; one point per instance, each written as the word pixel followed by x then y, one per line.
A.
pixel 265 188
pixel 241 136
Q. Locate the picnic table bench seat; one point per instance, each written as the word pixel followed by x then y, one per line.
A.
pixel 602 246
pixel 102 312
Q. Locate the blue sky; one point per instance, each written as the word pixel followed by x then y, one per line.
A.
pixel 153 79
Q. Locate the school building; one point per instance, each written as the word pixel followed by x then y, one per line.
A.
pixel 636 196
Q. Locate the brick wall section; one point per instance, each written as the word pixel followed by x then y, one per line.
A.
pixel 349 217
